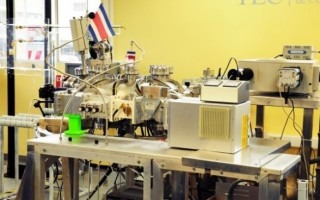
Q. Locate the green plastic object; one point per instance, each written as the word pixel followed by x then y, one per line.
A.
pixel 74 125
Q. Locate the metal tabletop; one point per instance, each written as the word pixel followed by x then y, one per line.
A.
pixel 247 161
pixel 299 102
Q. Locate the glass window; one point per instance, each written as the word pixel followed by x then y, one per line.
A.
pixel 3 32
pixel 68 10
pixel 29 33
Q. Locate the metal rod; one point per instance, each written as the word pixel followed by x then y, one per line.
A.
pixel 1 159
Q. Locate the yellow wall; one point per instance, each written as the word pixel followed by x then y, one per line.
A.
pixel 26 89
pixel 3 91
pixel 27 84
pixel 191 35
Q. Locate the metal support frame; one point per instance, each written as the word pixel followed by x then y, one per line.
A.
pixel 43 153
pixel 179 185
pixel 10 92
pixel 317 195
pixel 1 159
pixel 306 147
pixel 259 121
pixel 48 76
pixel 308 105
pixel 71 178
pixel 159 159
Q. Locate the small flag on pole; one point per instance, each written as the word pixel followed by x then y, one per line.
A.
pixel 100 27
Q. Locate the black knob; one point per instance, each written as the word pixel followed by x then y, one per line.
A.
pixel 88 109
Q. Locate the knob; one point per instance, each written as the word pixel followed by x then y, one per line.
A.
pixel 88 109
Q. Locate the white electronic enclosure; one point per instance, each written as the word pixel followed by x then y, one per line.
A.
pixel 268 72
pixel 218 127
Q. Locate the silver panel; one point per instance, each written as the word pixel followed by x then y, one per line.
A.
pixel 281 164
pixel 247 161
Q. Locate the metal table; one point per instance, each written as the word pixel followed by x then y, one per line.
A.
pixel 308 104
pixel 156 158
pixel 262 161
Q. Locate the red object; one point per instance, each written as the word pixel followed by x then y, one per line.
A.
pixel 59 81
pixel 131 56
pixel 38 55
pixel 29 54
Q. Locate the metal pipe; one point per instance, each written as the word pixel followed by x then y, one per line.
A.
pixel 16 156
pixel 1 159
pixel 17 123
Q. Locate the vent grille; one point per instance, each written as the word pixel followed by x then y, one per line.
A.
pixel 214 122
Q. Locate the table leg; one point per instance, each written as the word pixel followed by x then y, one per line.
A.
pixel 306 148
pixel 263 189
pixel 16 155
pixel 39 174
pixel 1 159
pixel 157 186
pixel 317 194
pixel 259 121
pixel 147 165
pixel 70 174
pixel 179 185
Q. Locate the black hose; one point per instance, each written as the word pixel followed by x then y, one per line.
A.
pixel 229 194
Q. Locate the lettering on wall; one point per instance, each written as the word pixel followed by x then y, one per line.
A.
pixel 277 2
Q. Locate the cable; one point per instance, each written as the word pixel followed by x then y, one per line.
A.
pixel 302 147
pixel 81 87
pixel 77 78
pixel 229 194
pixel 87 82
pixel 285 124
pixel 280 55
pixel 138 46
pixel 251 131
pixel 235 60
pixel 115 186
pixel 298 129
pixel 312 175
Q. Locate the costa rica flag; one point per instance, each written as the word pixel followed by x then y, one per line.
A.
pixel 100 27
